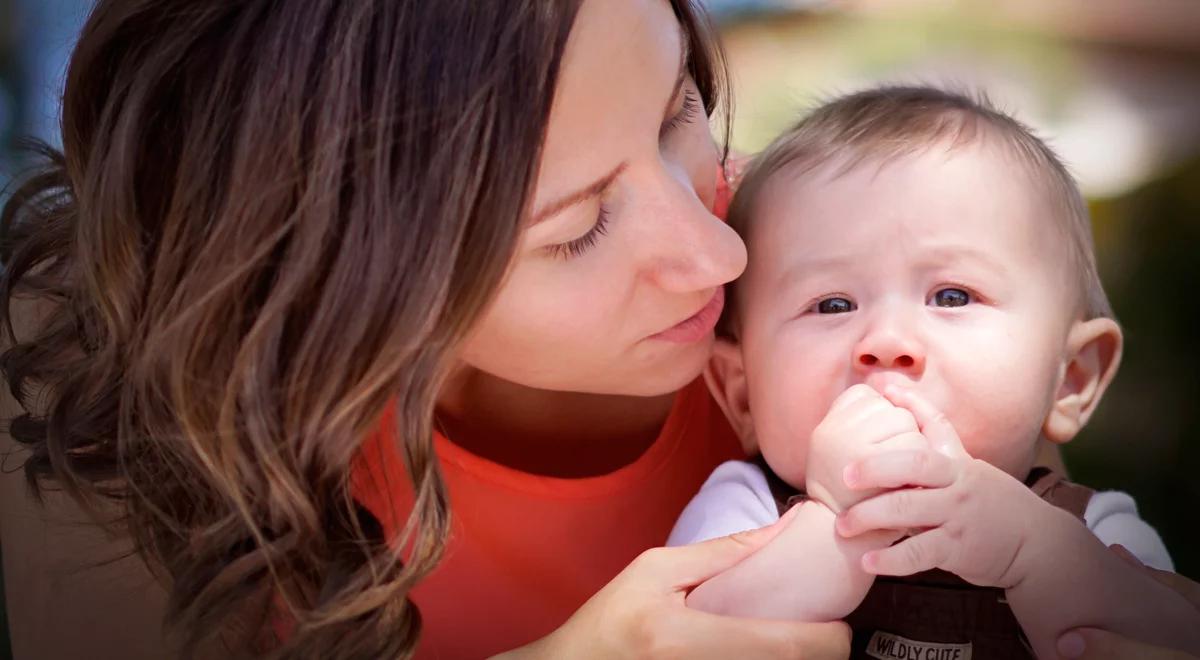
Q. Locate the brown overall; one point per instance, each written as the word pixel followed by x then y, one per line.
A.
pixel 935 615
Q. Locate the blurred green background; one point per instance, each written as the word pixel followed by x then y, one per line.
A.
pixel 1113 84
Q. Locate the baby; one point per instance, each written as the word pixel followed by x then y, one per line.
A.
pixel 920 318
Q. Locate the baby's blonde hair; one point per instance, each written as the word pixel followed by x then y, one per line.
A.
pixel 884 123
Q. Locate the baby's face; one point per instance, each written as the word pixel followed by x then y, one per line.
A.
pixel 941 272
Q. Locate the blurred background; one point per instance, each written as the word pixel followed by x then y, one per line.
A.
pixel 1113 84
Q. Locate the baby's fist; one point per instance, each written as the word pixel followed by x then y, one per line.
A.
pixel 860 422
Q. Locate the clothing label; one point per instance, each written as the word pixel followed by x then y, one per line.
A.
pixel 887 646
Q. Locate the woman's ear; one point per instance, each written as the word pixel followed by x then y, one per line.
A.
pixel 1093 353
pixel 726 379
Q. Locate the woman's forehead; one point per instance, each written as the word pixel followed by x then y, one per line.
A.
pixel 618 72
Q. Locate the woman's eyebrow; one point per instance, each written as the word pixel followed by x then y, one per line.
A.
pixel 578 196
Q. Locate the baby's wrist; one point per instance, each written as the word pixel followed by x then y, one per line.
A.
pixel 1049 533
pixel 837 497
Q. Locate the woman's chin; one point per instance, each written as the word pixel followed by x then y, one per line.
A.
pixel 670 368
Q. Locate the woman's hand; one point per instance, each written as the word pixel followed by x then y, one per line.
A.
pixel 641 613
pixel 1095 644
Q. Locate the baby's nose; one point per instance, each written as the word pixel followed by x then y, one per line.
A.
pixel 889 351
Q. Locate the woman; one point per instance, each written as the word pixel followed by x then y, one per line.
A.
pixel 288 244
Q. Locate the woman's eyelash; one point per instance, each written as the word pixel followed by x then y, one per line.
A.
pixel 572 249
pixel 690 110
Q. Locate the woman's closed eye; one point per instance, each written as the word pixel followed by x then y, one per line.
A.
pixel 578 246
pixel 690 110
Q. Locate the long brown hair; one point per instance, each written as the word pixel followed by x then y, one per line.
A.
pixel 269 222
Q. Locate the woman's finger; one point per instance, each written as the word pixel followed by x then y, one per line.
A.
pixel 704 635
pixel 907 508
pixel 1184 586
pixel 897 469
pixel 933 422
pixel 923 552
pixel 683 567
pixel 1095 644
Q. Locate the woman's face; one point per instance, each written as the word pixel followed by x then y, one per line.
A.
pixel 616 284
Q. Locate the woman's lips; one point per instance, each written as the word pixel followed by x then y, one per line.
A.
pixel 697 326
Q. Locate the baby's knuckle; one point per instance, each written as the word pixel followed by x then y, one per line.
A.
pixel 920 462
pixel 859 390
pixel 915 554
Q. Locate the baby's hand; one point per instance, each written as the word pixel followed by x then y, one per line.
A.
pixel 860 423
pixel 972 519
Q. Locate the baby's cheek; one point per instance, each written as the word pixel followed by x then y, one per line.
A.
pixel 791 388
pixel 1002 432
pixel 784 432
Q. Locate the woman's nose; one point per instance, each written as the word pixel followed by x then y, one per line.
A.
pixel 697 250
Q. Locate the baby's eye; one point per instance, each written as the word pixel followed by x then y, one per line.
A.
pixel 951 297
pixel 835 306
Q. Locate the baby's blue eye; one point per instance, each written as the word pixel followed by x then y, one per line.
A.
pixel 835 306
pixel 950 297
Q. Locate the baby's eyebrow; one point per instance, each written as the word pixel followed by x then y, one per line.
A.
pixel 950 254
pixel 805 266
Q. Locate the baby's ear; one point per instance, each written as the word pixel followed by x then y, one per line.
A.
pixel 726 379
pixel 1093 352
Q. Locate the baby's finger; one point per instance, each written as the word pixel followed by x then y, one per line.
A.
pixel 898 509
pixel 923 552
pixel 933 422
pixel 886 421
pixel 851 395
pixel 908 441
pixel 900 468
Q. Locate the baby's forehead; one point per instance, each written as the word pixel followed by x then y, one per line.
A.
pixel 927 190
pixel 959 205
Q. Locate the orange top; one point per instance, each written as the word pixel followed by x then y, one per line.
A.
pixel 525 551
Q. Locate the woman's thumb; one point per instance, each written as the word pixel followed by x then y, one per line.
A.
pixel 1096 644
pixel 689 565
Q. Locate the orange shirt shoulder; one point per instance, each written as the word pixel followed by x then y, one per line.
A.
pixel 525 551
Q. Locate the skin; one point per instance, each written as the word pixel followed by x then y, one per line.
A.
pixel 901 280
pixel 573 333
pixel 1096 644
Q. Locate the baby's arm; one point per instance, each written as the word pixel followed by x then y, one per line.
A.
pixel 805 573
pixel 808 572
